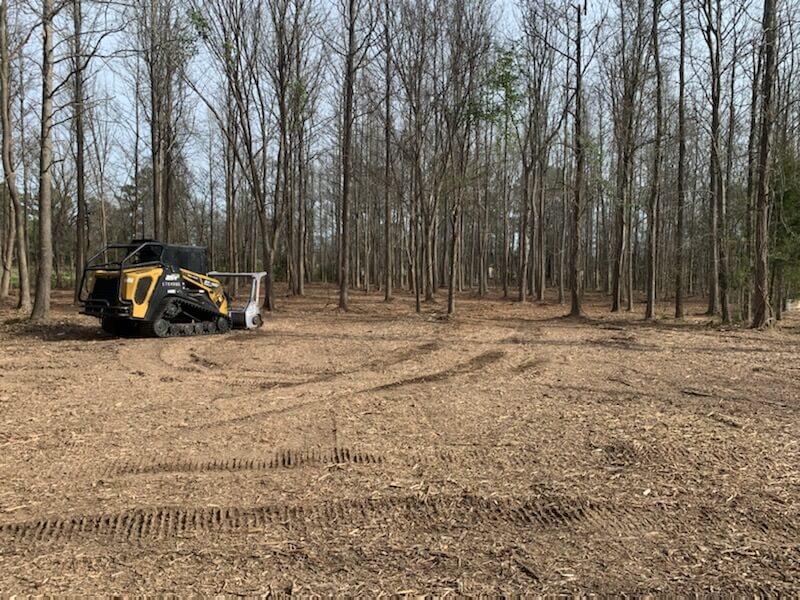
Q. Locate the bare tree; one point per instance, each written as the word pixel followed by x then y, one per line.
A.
pixel 575 264
pixel 387 152
pixel 468 41
pixel 163 43
pixel 80 163
pixel 761 305
pixel 653 208
pixel 41 304
pixel 356 20
pixel 9 169
pixel 625 91
pixel 679 233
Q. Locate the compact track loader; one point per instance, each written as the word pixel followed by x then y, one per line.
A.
pixel 162 290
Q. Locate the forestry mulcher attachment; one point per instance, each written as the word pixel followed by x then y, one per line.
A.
pixel 163 290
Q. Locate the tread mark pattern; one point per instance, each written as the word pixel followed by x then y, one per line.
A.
pixel 144 524
pixel 281 459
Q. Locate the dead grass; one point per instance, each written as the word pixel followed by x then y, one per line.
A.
pixel 504 450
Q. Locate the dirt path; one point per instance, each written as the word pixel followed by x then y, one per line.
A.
pixel 508 450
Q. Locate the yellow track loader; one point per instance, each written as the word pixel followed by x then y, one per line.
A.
pixel 150 288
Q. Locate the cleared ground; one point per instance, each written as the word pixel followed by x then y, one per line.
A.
pixel 507 450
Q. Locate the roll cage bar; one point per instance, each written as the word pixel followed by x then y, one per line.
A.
pixel 118 266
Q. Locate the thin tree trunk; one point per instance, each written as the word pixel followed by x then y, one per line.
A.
pixel 679 258
pixel 752 140
pixel 7 252
pixel 20 221
pixel 80 166
pixel 505 207
pixel 41 304
pixel 761 305
pixel 387 157
pixel 347 134
pixel 652 217
pixel 576 268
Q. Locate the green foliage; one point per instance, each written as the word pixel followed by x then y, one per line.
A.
pixel 199 23
pixel 502 95
pixel 300 94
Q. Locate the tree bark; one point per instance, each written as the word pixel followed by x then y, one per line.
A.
pixel 576 268
pixel 761 306
pixel 41 303
pixel 653 212
pixel 347 161
pixel 679 258
pixel 20 221
pixel 387 157
pixel 80 167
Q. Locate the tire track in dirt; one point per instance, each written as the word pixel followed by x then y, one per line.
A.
pixel 281 459
pixel 473 364
pixel 625 342
pixel 196 363
pixel 466 367
pixel 480 456
pixel 394 358
pixel 293 458
pixel 466 511
pixel 534 364
pixel 631 453
pixel 625 452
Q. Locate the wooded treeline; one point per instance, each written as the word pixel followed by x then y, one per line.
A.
pixel 641 148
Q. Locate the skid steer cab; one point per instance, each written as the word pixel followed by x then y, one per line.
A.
pixel 154 289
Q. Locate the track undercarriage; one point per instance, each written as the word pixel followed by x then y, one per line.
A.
pixel 178 317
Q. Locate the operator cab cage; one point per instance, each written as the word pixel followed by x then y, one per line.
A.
pixel 143 253
pixel 140 253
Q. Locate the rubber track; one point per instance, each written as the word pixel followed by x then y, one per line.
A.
pixel 281 459
pixel 143 524
pixel 174 330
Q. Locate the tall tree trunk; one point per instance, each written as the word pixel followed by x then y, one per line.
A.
pixel 506 250
pixel 80 166
pixel 136 140
pixel 576 268
pixel 726 192
pixel 652 217
pixel 41 303
pixel 713 211
pixel 347 134
pixel 562 251
pixel 752 140
pixel 679 258
pixel 156 142
pixel 20 221
pixel 761 305
pixel 524 209
pixel 718 296
pixel 539 197
pixel 387 157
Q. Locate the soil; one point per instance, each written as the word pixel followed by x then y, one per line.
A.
pixel 508 449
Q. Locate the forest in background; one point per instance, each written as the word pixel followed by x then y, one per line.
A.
pixel 623 146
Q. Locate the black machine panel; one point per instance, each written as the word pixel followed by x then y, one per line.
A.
pixel 106 289
pixel 190 258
